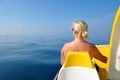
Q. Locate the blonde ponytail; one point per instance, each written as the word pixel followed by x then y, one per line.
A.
pixel 85 34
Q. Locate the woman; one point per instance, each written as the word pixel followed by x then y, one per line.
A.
pixel 80 32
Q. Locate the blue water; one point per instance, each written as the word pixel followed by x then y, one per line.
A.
pixel 33 57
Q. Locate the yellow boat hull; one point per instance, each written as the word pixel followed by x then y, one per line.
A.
pixel 110 51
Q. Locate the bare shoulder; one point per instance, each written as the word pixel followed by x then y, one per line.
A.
pixel 91 45
pixel 66 44
pixel 93 48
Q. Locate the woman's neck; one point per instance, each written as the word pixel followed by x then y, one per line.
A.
pixel 79 39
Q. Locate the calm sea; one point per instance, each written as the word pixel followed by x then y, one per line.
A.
pixel 33 57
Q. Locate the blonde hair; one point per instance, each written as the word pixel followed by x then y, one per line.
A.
pixel 81 28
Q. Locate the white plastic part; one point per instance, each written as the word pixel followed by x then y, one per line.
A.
pixel 118 60
pixel 78 73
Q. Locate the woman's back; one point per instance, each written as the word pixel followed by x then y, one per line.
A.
pixel 78 46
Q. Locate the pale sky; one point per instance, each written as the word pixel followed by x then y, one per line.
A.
pixel 55 17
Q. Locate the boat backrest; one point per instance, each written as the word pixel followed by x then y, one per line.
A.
pixel 78 66
pixel 81 59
